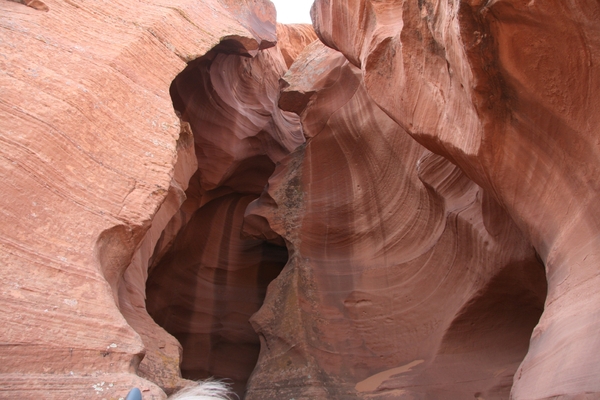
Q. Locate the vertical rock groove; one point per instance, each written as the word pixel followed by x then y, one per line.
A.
pixel 206 287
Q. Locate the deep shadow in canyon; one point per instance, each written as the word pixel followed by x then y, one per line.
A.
pixel 208 276
pixel 207 286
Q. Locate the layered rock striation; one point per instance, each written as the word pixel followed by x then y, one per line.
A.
pixel 503 89
pixel 208 276
pixel 95 166
pixel 401 267
pixel 407 213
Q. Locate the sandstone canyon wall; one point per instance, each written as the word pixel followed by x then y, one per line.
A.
pixel 190 190
pixel 213 277
pixel 504 89
pixel 95 164
pixel 397 259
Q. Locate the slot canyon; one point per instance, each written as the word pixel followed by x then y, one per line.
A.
pixel 397 202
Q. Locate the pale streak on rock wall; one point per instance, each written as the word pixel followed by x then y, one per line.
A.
pixel 505 90
pixel 209 284
pixel 396 258
pixel 88 157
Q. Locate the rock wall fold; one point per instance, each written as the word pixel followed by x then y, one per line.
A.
pixel 391 257
pixel 503 89
pixel 209 277
pixel 94 162
pixel 421 191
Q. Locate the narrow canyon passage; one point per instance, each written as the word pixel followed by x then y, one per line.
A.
pixel 398 258
pixel 399 201
pixel 204 290
pixel 406 279
pixel 208 275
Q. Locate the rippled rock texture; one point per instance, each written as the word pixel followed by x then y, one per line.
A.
pixel 504 89
pixel 95 164
pixel 212 276
pixel 292 39
pixel 397 259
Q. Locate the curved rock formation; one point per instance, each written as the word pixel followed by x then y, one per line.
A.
pixel 396 259
pixel 420 179
pixel 504 89
pixel 94 163
pixel 208 277
pixel 292 39
pixel 230 102
pixel 208 285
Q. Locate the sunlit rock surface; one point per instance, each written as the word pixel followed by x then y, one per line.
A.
pixel 405 278
pixel 506 90
pixel 292 39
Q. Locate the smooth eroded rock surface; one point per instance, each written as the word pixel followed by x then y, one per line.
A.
pixel 292 39
pixel 209 284
pixel 94 163
pixel 208 276
pixel 410 212
pixel 397 260
pixel 505 90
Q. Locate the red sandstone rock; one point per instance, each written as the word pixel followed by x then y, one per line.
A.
pixel 208 279
pixel 230 102
pixel 292 39
pixel 504 89
pixel 93 166
pixel 405 278
pixel 36 4
pixel 207 287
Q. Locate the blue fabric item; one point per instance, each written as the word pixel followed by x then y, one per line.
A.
pixel 134 394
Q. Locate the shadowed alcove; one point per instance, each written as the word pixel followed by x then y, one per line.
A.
pixel 206 287
pixel 207 277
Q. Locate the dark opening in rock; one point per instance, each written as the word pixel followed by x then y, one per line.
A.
pixel 207 276
pixel 207 286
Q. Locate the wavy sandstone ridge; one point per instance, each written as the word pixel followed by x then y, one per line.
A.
pixel 504 89
pixel 397 258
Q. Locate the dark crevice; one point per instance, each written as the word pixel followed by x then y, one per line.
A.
pixel 205 289
pixel 209 277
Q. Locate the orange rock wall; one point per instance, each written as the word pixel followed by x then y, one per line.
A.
pixel 209 277
pixel 94 163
